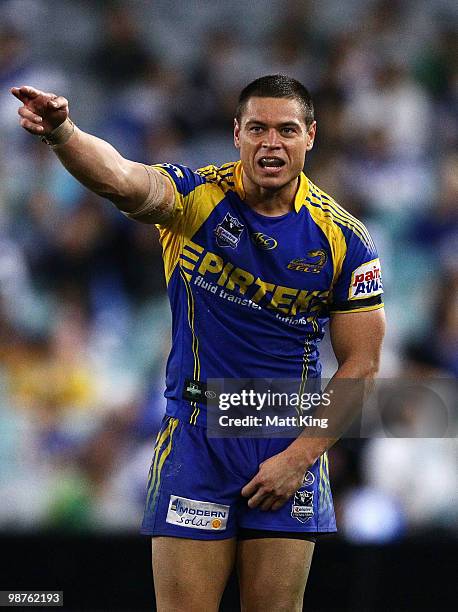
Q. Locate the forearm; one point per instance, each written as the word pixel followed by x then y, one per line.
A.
pixel 139 191
pixel 100 167
pixel 348 389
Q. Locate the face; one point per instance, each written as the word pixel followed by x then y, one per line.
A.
pixel 273 140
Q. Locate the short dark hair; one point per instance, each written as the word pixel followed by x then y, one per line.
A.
pixel 277 86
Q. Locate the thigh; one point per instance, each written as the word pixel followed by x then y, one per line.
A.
pixel 192 490
pixel 273 573
pixel 190 575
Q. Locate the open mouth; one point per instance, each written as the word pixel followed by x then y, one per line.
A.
pixel 271 162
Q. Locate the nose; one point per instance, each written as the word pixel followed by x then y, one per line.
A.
pixel 271 140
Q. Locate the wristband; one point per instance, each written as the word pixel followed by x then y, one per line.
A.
pixel 60 135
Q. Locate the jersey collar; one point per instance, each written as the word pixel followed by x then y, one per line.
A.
pixel 301 193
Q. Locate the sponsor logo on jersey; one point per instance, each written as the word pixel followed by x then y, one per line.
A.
pixel 309 479
pixel 263 241
pixel 366 281
pixel 302 506
pixel 314 262
pixel 211 272
pixel 197 514
pixel 228 232
pixel 194 390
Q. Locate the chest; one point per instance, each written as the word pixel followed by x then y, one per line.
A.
pixel 290 251
pixel 281 263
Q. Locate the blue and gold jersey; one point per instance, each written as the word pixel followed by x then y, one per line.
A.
pixel 251 294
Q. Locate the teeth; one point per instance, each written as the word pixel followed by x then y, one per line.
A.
pixel 271 161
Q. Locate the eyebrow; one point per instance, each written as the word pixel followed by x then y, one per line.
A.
pixel 283 124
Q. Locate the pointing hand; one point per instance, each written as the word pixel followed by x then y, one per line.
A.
pixel 41 112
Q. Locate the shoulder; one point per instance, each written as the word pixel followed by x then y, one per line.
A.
pixel 210 178
pixel 323 207
pixel 222 176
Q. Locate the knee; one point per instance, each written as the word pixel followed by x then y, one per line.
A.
pixel 287 598
pixel 273 606
pixel 178 602
pixel 183 596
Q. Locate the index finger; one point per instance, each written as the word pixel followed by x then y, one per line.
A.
pixel 25 91
pixel 250 488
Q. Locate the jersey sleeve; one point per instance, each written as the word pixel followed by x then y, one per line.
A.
pixel 184 182
pixel 359 286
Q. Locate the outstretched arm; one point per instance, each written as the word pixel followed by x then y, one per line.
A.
pixel 138 190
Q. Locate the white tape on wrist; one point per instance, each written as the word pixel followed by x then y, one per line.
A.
pixel 61 134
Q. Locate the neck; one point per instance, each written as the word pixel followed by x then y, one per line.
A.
pixel 270 202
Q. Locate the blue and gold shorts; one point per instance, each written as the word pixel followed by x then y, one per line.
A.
pixel 194 487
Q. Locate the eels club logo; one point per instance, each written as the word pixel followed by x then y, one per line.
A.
pixel 314 262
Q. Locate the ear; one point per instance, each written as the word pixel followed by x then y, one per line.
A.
pixel 236 134
pixel 311 133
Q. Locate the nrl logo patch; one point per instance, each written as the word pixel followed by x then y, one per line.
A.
pixel 314 262
pixel 228 232
pixel 302 507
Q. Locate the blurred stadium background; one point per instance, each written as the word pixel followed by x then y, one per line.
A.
pixel 84 321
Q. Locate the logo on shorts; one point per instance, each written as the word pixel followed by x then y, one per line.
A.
pixel 302 507
pixel 309 479
pixel 228 232
pixel 197 514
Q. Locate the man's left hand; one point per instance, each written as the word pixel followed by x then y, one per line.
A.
pixel 278 478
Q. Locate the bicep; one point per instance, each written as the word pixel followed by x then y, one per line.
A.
pixel 148 197
pixel 358 336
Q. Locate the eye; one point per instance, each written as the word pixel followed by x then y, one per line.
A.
pixel 256 129
pixel 288 130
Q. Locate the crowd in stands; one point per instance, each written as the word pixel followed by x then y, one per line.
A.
pixel 84 318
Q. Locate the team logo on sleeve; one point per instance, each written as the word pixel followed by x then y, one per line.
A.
pixel 302 508
pixel 366 281
pixel 228 232
pixel 314 262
